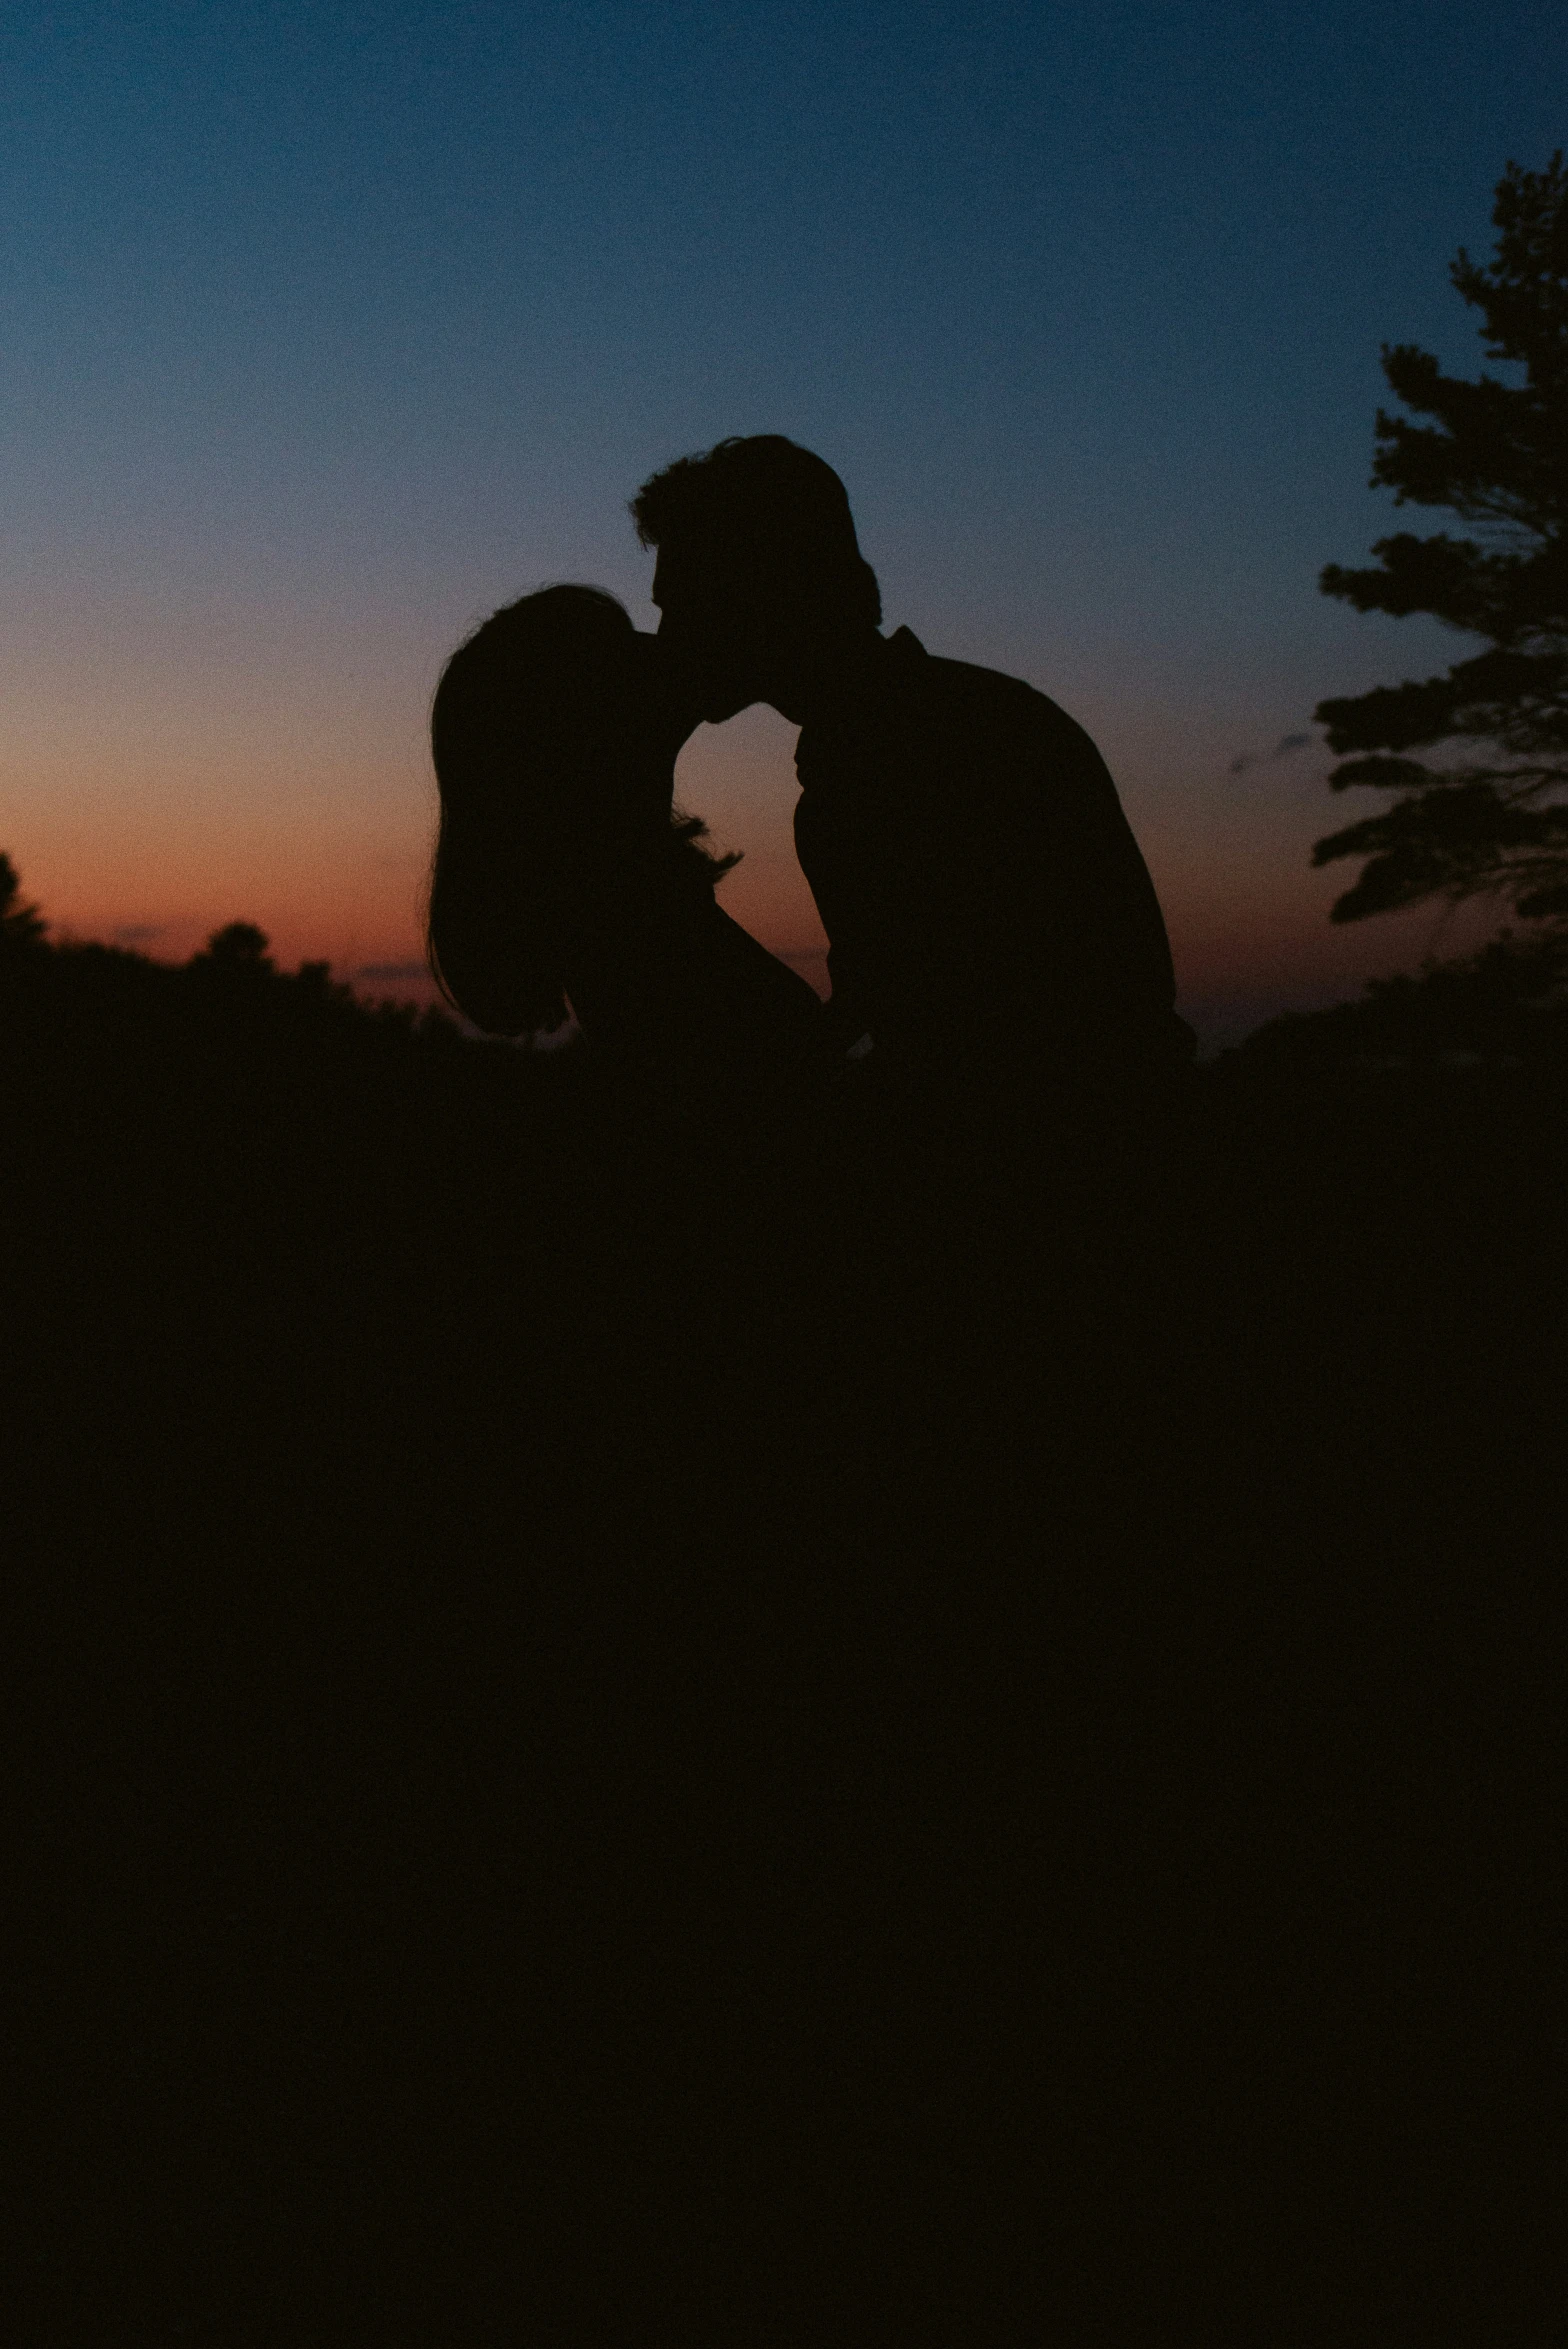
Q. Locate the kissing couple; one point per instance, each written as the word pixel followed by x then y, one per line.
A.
pixel 993 931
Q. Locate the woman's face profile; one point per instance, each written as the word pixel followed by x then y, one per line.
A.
pixel 617 742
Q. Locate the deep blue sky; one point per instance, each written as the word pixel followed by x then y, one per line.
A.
pixel 328 328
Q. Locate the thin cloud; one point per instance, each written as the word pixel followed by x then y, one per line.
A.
pixel 1262 758
pixel 393 970
pixel 139 933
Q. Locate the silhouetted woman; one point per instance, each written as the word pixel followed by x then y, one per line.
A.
pixel 564 877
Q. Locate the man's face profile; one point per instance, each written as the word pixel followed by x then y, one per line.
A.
pixel 714 627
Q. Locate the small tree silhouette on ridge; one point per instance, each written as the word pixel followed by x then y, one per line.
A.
pixel 21 926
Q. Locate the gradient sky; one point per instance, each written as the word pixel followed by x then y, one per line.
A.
pixel 326 329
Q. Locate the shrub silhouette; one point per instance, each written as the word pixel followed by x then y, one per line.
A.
pixel 21 926
pixel 238 946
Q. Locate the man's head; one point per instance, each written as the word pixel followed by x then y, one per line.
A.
pixel 759 579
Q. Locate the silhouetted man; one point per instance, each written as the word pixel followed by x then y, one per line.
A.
pixel 988 911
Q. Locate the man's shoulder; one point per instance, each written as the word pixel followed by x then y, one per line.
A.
pixel 982 702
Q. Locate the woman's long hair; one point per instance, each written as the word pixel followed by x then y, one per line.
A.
pixel 518 833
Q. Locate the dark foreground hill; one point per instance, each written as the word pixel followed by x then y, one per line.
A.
pixel 757 1722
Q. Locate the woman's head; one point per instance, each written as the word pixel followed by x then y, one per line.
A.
pixel 554 740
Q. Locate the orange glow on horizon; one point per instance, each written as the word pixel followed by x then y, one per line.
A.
pixel 329 855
